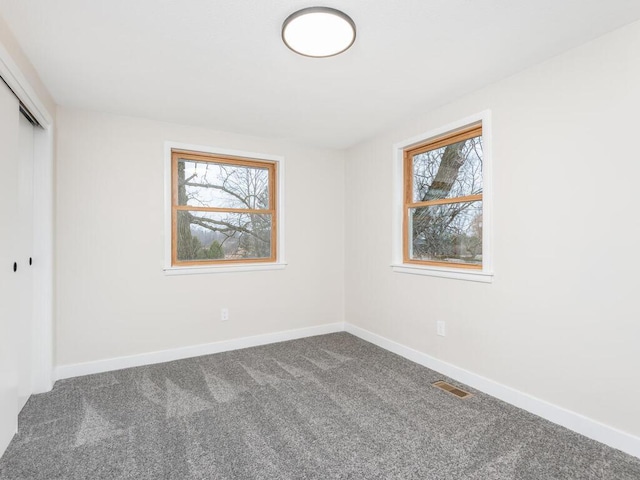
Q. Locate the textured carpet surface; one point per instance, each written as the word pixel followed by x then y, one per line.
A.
pixel 327 407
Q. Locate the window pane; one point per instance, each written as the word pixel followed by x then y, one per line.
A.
pixel 447 172
pixel 449 233
pixel 209 236
pixel 206 184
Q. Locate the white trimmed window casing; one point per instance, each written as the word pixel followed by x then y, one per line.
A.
pixel 398 264
pixel 172 269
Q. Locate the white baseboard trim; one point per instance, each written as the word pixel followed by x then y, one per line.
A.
pixel 573 421
pixel 118 363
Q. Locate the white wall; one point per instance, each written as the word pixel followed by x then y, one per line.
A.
pixel 562 319
pixel 8 41
pixel 113 297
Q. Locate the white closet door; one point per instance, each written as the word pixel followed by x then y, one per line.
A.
pixel 25 332
pixel 9 302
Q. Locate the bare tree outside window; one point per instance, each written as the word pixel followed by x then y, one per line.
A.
pixel 443 200
pixel 223 209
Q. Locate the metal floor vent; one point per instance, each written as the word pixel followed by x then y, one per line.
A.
pixel 447 387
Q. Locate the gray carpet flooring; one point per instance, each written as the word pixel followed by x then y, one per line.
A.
pixel 326 407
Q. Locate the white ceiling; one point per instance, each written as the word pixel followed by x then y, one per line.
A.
pixel 222 64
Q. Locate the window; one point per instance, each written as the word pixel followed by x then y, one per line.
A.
pixel 224 209
pixel 444 214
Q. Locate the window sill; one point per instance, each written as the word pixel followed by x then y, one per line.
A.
pixel 207 269
pixel 456 274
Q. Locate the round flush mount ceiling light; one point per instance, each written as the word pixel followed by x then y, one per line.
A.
pixel 318 32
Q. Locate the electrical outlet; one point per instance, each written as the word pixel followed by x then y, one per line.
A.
pixel 440 326
pixel 224 314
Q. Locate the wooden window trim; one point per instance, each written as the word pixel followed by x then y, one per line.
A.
pixel 440 141
pixel 459 135
pixel 269 165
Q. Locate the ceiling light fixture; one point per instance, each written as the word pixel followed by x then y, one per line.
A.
pixel 318 32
